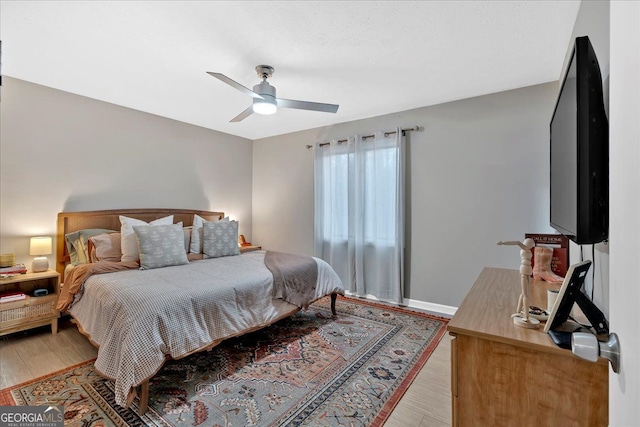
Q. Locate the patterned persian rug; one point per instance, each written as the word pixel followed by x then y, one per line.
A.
pixel 307 370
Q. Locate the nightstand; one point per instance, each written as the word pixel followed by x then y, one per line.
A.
pixel 251 248
pixel 33 311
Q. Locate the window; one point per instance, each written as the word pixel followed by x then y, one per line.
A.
pixel 359 212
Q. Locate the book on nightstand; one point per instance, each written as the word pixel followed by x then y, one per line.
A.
pixel 13 270
pixel 11 296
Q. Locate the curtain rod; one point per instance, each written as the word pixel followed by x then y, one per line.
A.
pixel 340 141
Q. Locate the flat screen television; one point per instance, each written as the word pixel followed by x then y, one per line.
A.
pixel 579 130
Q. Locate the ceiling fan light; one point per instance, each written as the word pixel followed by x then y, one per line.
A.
pixel 267 105
pixel 264 108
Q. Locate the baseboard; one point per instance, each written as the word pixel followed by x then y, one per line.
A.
pixel 445 310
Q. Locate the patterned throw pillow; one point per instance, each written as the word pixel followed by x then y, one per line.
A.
pixel 129 244
pixel 187 238
pixel 220 238
pixel 160 245
pixel 195 245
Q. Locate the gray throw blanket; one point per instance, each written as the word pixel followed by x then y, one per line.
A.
pixel 294 277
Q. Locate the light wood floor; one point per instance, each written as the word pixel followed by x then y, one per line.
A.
pixel 428 400
pixel 32 354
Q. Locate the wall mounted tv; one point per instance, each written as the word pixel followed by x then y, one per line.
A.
pixel 580 151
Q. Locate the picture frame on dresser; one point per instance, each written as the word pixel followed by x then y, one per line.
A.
pixel 571 294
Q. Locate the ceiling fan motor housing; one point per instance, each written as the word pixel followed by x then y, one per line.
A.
pixel 265 88
pixel 267 91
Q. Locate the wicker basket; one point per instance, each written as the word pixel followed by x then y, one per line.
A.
pixel 30 311
pixel 33 310
pixel 7 260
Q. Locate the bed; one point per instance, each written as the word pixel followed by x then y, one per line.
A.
pixel 139 318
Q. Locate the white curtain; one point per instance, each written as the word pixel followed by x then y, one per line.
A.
pixel 359 212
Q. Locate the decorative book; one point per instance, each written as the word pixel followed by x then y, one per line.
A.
pixel 560 245
pixel 14 269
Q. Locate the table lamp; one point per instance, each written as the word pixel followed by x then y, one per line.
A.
pixel 40 246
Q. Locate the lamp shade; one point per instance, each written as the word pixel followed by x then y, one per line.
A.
pixel 40 246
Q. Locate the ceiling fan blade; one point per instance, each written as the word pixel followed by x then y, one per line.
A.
pixel 235 84
pixel 306 105
pixel 246 113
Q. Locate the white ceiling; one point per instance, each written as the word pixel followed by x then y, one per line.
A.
pixel 371 57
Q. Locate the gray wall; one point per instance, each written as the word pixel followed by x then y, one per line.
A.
pixel 64 152
pixel 477 173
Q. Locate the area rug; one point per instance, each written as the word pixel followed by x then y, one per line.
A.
pixel 308 370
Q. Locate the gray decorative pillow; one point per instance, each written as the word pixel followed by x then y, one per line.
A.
pixel 187 238
pixel 129 244
pixel 160 245
pixel 220 238
pixel 195 245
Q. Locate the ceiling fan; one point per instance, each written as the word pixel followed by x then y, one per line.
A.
pixel 264 96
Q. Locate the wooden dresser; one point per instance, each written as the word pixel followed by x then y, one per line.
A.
pixel 504 375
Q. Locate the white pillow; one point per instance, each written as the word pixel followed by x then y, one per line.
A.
pixel 129 243
pixel 195 247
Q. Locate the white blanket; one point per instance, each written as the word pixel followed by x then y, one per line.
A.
pixel 136 317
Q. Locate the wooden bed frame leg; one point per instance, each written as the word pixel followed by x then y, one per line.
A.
pixel 144 398
pixel 334 296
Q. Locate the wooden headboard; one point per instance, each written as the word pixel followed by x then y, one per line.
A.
pixel 69 222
